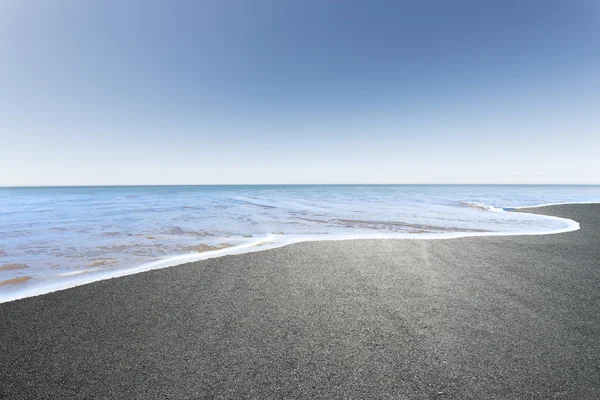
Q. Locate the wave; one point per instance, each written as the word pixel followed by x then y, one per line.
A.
pixel 272 241
pixel 551 204
pixel 481 206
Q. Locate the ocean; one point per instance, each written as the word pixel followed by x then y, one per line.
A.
pixel 53 238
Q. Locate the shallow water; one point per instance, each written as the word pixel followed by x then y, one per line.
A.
pixel 53 238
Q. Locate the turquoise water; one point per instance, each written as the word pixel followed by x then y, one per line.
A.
pixel 57 237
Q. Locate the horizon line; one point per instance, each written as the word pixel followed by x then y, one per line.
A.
pixel 298 184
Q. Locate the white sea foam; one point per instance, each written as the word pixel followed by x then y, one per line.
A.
pixel 72 237
pixel 481 206
pixel 551 204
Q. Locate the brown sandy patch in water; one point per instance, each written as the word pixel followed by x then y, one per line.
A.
pixel 417 228
pixel 182 232
pixel 2 253
pixel 101 262
pixel 201 248
pixel 13 267
pixel 144 250
pixel 403 227
pixel 111 234
pixel 15 281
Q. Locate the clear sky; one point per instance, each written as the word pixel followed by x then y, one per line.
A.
pixel 310 91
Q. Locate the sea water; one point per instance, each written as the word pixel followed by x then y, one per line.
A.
pixel 52 238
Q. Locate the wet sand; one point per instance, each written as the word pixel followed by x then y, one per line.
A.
pixel 15 281
pixel 508 317
pixel 12 267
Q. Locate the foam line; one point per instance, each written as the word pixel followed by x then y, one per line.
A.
pixel 551 204
pixel 271 242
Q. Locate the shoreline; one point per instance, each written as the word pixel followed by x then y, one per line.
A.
pixel 576 203
pixel 268 243
pixel 486 317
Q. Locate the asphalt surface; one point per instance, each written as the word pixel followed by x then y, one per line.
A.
pixel 475 318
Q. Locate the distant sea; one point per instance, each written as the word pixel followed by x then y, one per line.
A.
pixel 57 237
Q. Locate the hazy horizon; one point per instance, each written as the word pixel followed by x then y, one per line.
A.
pixel 314 92
pixel 303 184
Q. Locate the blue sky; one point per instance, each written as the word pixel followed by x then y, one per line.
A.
pixel 313 91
